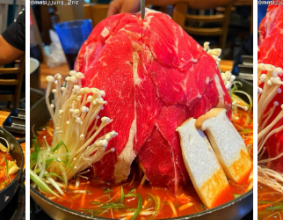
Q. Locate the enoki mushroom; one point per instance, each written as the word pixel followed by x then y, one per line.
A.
pixel 269 76
pixel 77 125
pixel 227 77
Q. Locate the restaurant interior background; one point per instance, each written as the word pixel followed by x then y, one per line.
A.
pixel 228 27
pixel 9 95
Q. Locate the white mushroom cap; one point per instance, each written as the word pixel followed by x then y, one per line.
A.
pixel 50 79
pixel 84 109
pixel 74 79
pixel 72 72
pixel 87 90
pixel 79 75
pixel 105 119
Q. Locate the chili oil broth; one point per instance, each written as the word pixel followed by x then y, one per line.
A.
pixel 97 192
pixel 270 203
pixel 4 178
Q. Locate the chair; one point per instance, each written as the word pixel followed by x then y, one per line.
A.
pixel 180 16
pixel 96 12
pixel 10 86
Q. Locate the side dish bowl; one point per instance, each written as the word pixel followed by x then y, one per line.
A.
pixel 9 191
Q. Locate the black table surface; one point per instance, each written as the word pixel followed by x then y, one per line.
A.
pixel 15 210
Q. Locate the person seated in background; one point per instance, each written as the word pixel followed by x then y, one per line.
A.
pixel 12 47
pixel 131 6
pixel 12 40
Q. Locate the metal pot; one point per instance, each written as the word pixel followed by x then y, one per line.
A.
pixel 8 192
pixel 233 210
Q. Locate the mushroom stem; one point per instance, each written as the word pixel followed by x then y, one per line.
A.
pixel 71 152
pixel 272 86
pixel 268 128
pixel 49 79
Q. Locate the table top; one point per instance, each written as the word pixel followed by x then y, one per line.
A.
pixel 45 71
pixel 225 65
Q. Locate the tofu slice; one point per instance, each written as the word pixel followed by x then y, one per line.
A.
pixel 227 143
pixel 207 175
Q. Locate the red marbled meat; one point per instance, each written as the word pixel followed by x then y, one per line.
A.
pixel 271 52
pixel 155 77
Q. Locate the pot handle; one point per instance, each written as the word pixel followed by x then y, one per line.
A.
pixel 21 140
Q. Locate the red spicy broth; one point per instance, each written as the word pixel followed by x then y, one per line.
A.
pixel 5 179
pixel 96 198
pixel 270 203
pixel 92 198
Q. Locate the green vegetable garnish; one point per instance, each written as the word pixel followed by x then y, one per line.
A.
pixel 53 174
pixel 138 210
pixel 41 184
pixel 113 205
pixel 130 195
pixel 157 205
pixel 278 207
pixel 108 190
pixel 7 166
pixel 122 195
pixel 236 195
pixel 246 130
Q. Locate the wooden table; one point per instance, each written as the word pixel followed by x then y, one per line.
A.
pixel 225 65
pixel 45 71
pixel 3 115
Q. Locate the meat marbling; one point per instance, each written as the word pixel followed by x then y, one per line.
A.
pixel 271 52
pixel 155 77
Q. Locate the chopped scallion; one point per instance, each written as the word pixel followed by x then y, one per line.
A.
pixel 138 210
pixel 122 195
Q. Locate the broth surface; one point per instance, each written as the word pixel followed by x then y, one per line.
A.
pixel 5 179
pixel 97 198
pixel 270 203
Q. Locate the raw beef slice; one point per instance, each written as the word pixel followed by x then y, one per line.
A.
pixel 155 77
pixel 271 52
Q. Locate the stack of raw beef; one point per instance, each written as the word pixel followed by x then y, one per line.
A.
pixel 155 77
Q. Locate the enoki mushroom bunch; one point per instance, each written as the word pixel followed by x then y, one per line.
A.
pixel 215 53
pixel 227 77
pixel 271 87
pixel 76 143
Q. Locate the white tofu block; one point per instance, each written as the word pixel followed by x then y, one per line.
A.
pixel 229 147
pixel 207 175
